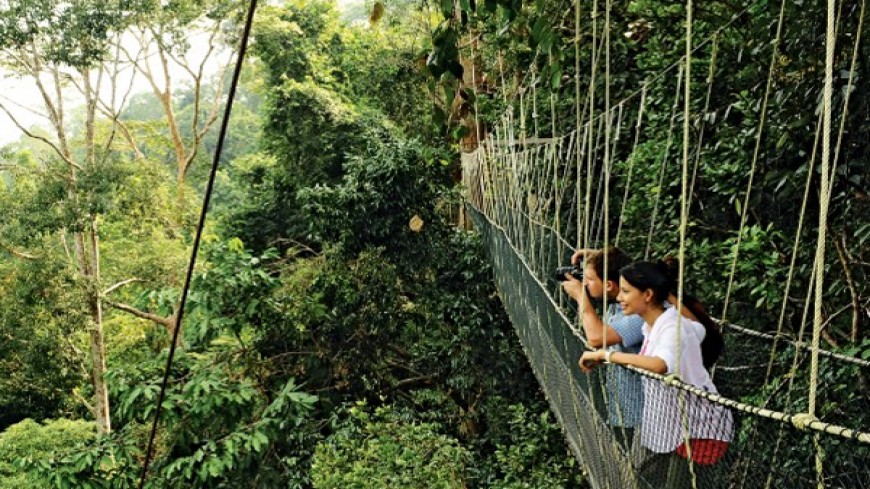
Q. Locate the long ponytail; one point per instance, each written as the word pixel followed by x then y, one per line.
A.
pixel 713 343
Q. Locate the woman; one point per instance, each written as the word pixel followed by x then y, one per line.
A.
pixel 671 343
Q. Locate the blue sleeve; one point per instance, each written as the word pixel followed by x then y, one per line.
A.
pixel 630 328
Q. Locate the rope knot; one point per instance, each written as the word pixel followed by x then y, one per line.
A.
pixel 672 379
pixel 802 421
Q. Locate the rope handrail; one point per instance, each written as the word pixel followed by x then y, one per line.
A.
pixel 797 344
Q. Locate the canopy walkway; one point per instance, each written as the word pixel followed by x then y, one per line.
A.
pixel 770 448
pixel 775 421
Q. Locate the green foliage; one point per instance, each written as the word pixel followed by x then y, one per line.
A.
pixel 527 451
pixel 301 111
pixel 380 450
pixel 217 429
pixel 340 318
pixel 231 293
pixel 71 33
pixel 41 318
pixel 331 92
pixel 382 190
pixel 30 441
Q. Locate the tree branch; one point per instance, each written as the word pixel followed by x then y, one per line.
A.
pixel 84 401
pixel 414 382
pixel 45 140
pixel 16 253
pixel 121 284
pixel 168 322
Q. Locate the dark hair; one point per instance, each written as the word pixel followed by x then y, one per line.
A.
pixel 661 278
pixel 616 259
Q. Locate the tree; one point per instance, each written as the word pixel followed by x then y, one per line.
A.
pixel 169 34
pixel 380 450
pixel 63 46
pixel 30 441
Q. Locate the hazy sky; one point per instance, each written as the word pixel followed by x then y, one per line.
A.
pixel 21 96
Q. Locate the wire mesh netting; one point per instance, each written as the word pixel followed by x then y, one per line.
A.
pixel 630 428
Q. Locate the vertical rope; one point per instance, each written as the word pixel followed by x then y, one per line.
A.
pixel 794 253
pixel 792 375
pixel 631 161
pixel 687 92
pixel 711 71
pixel 608 128
pixel 474 84
pixel 849 86
pixel 591 144
pixel 830 42
pixel 684 220
pixel 577 116
pixel 663 163
pixel 824 185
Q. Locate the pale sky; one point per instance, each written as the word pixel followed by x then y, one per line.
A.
pixel 21 96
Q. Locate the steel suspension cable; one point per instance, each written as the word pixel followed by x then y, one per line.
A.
pixel 243 46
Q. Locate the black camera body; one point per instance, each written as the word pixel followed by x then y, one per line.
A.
pixel 574 270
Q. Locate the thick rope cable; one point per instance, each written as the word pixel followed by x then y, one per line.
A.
pixel 684 181
pixel 243 46
pixel 684 220
pixel 744 211
pixel 818 320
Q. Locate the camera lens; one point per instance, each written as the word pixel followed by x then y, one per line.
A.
pixel 575 272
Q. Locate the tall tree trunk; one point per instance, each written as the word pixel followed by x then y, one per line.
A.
pixel 87 258
pixel 87 242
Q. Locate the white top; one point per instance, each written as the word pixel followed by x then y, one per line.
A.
pixel 663 424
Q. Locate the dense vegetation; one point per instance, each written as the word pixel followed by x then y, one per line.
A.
pixel 342 330
pixel 326 343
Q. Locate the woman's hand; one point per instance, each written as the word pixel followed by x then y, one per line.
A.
pixel 591 359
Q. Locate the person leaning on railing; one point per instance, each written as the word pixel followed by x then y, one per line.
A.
pixel 643 290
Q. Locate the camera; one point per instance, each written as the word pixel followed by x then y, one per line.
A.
pixel 574 270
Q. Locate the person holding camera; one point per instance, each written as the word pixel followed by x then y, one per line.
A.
pixel 616 332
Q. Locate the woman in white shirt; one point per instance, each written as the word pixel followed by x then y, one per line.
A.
pixel 671 343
